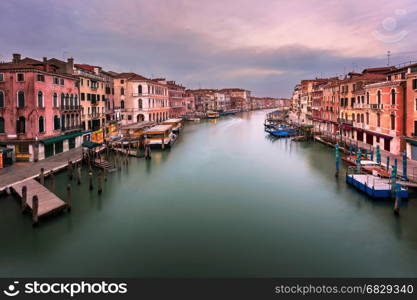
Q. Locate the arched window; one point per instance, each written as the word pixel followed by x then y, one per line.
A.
pixel 1 125
pixel 367 97
pixel 57 124
pixel 1 99
pixel 63 122
pixel 40 99
pixel 378 119
pixel 55 100
pixel 392 122
pixel 362 118
pixel 62 100
pixel 353 117
pixel 139 89
pixel 122 91
pixel 140 103
pixel 21 125
pixel 378 97
pixel 76 100
pixel 122 104
pixel 367 118
pixel 41 124
pixel 20 99
pixel 66 99
pixel 393 96
pixel 72 100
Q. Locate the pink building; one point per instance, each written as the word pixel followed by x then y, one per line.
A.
pixel 177 102
pixel 39 109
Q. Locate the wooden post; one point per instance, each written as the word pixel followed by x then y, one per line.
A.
pixel 52 182
pixel 69 197
pixel 100 182
pixel 119 163
pixel 42 177
pixel 70 170
pixel 162 144
pixel 24 197
pixel 79 174
pixel 90 177
pixel 397 205
pixel 35 208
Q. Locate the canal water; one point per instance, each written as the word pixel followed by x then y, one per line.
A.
pixel 225 201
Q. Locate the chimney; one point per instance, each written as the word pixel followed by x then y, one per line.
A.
pixel 16 57
pixel 69 66
pixel 45 64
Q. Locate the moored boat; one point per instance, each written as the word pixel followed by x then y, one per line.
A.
pixel 212 114
pixel 175 123
pixel 160 135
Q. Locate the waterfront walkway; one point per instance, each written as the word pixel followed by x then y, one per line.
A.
pixel 20 172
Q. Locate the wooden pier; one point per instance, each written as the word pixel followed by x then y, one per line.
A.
pixel 104 164
pixel 48 202
pixel 130 152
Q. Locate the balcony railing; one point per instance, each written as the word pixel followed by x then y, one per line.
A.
pixel 377 106
pixel 345 121
pixel 70 107
pixel 71 128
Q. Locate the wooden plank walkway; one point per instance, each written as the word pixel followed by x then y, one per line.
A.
pixel 18 173
pixel 48 201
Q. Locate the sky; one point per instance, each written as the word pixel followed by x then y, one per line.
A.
pixel 266 46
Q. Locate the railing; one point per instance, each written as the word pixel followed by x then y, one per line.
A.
pixel 70 107
pixel 377 106
pixel 68 128
pixel 345 121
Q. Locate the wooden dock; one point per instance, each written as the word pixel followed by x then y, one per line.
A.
pixel 130 152
pixel 48 202
pixel 104 164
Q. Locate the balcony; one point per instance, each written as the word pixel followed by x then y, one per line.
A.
pixel 345 121
pixel 377 106
pixel 71 128
pixel 70 107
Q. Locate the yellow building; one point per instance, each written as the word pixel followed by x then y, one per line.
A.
pixel 92 96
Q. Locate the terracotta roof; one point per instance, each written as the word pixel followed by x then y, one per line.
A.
pixel 132 76
pixel 382 70
pixel 85 67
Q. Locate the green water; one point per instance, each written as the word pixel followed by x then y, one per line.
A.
pixel 225 201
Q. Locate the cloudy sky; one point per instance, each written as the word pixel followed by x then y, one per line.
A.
pixel 266 46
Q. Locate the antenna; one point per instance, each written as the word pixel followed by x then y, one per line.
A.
pixel 388 55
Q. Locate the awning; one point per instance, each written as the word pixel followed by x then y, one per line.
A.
pixel 384 136
pixel 60 138
pixel 5 150
pixel 411 141
pixel 90 144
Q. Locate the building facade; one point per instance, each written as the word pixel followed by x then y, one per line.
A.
pixel 39 109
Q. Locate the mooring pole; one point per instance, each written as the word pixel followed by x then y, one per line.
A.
pixel 35 208
pixel 79 174
pixel 100 182
pixel 24 197
pixel 69 197
pixel 42 177
pixel 70 170
pixel 337 160
pixel 52 182
pixel 90 178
